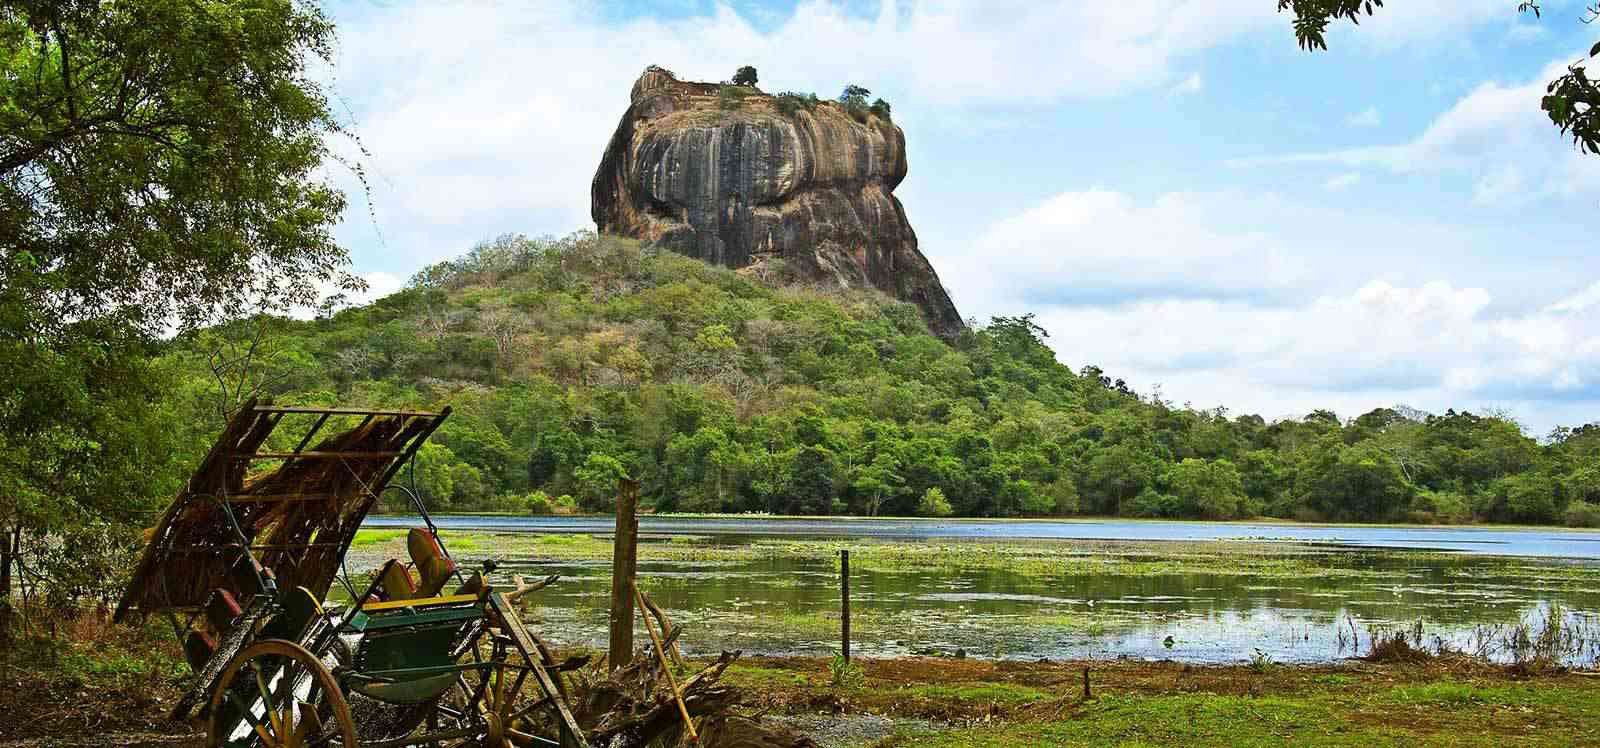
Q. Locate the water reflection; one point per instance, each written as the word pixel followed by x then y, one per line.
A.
pixel 779 605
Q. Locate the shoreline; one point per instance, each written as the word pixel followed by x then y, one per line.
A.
pixel 1073 520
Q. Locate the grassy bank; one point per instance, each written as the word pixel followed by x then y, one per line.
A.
pixel 939 702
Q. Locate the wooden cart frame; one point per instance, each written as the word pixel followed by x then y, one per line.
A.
pixel 243 560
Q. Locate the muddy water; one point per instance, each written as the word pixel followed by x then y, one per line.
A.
pixel 1471 594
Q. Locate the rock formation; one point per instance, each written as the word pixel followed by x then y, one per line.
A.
pixel 736 177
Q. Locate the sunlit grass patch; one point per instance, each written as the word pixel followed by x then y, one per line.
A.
pixel 369 537
pixel 755 676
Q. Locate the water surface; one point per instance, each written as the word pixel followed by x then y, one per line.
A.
pixel 1186 598
pixel 1530 541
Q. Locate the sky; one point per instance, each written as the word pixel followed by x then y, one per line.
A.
pixel 1181 195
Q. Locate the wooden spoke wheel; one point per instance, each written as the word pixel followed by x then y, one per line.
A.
pixel 275 694
pixel 495 700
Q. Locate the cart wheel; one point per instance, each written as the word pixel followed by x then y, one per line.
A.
pixel 275 694
pixel 491 701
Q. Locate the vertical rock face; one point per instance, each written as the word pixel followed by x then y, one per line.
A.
pixel 730 178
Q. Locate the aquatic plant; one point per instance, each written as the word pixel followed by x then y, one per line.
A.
pixel 1261 662
pixel 845 674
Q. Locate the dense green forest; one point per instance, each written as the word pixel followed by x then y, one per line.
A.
pixel 572 362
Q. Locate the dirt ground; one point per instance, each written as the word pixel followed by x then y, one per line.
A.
pixel 69 711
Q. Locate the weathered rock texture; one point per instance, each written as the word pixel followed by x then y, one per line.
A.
pixel 737 182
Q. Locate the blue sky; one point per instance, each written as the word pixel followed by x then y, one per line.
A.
pixel 1181 195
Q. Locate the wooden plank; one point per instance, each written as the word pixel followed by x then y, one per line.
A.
pixel 315 427
pixel 318 456
pixel 421 602
pixel 571 733
pixel 340 411
pixel 274 498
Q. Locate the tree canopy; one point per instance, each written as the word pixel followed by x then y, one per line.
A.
pixel 160 169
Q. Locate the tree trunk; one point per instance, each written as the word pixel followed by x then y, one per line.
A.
pixel 10 546
pixel 8 552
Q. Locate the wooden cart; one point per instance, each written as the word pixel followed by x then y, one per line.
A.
pixel 242 564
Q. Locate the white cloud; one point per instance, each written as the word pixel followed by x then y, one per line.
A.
pixel 1496 136
pixel 1368 117
pixel 1228 299
pixel 1340 182
pixel 1582 301
pixel 1190 85
pixel 1100 246
pixel 1432 345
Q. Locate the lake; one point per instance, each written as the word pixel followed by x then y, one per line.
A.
pixel 1189 591
pixel 1548 542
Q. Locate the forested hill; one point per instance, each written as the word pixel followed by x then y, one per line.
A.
pixel 572 362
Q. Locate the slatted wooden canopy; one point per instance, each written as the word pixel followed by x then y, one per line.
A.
pixel 298 508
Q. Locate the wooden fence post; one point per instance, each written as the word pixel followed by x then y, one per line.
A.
pixel 844 604
pixel 624 565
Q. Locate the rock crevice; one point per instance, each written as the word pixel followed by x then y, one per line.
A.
pixel 732 179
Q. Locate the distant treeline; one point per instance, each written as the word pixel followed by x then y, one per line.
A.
pixel 573 362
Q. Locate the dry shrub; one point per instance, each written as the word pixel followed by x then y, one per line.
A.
pixel 1398 646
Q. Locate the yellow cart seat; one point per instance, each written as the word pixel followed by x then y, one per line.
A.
pixel 434 568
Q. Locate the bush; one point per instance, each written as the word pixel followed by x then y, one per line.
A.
pixel 854 99
pixel 1152 503
pixel 539 502
pixel 845 674
pixel 881 109
pixel 597 479
pixel 934 504
pixel 1445 507
pixel 790 102
pixel 1582 514
pixel 1065 495
pixel 731 97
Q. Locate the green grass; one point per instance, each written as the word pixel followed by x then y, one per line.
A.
pixel 564 540
pixel 121 667
pixel 368 537
pixel 758 677
pixel 1441 713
